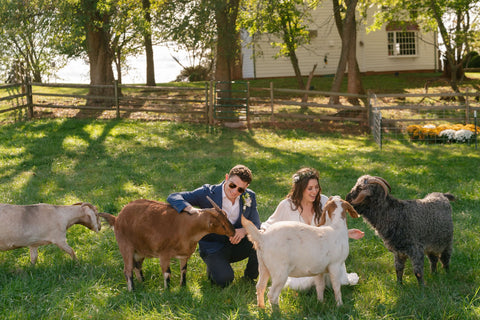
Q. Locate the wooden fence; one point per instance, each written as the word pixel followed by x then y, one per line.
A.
pixel 263 105
pixel 386 115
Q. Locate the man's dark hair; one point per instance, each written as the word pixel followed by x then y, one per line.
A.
pixel 242 172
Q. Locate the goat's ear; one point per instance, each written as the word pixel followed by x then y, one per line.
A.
pixel 348 207
pixel 91 212
pixel 323 217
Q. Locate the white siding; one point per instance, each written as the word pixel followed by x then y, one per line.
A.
pixel 375 58
pixel 324 51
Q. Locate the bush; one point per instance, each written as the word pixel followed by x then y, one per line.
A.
pixel 475 62
pixel 472 61
pixel 194 73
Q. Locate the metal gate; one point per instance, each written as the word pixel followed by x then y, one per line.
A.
pixel 231 101
pixel 376 121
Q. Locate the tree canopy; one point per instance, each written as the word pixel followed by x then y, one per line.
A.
pixel 455 20
pixel 286 20
pixel 28 39
pixel 37 36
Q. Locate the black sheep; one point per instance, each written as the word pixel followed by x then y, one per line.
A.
pixel 409 228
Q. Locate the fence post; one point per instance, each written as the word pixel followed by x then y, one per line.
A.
pixel 29 93
pixel 476 128
pixel 211 102
pixel 248 104
pixel 206 103
pixel 369 108
pixel 467 108
pixel 117 104
pixel 271 101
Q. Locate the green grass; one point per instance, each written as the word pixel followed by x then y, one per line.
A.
pixel 110 163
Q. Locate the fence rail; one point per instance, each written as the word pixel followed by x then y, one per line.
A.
pixel 258 105
pixel 423 117
pixel 386 115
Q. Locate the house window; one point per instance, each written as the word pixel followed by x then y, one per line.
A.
pixel 402 39
pixel 402 43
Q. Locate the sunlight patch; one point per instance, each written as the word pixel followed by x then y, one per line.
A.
pixel 70 199
pixel 74 144
pixel 22 179
pixel 94 130
pixel 64 165
pixel 142 190
pixel 47 189
pixel 35 135
pixel 11 152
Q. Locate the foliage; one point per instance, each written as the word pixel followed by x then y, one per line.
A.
pixel 128 26
pixel 286 22
pixel 195 73
pixel 189 26
pixel 475 62
pixel 472 60
pixel 110 163
pixel 456 21
pixel 28 34
pixel 120 21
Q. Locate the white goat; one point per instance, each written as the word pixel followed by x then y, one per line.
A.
pixel 40 224
pixel 295 249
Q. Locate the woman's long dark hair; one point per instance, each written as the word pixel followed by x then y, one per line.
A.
pixel 300 183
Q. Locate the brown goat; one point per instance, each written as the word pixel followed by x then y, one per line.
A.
pixel 152 229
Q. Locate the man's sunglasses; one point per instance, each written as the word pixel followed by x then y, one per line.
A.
pixel 232 185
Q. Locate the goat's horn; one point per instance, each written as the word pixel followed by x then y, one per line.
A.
pixel 215 205
pixel 361 196
pixel 382 182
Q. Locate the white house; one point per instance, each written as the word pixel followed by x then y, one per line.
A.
pixel 390 49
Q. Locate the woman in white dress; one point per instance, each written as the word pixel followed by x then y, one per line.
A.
pixel 305 203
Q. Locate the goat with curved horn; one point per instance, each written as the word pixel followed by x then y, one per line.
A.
pixel 421 226
pixel 367 192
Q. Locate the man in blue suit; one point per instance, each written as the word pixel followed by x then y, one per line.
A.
pixel 218 251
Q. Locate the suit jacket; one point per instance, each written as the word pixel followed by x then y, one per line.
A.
pixel 198 198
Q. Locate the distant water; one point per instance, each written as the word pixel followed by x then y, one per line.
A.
pixel 166 68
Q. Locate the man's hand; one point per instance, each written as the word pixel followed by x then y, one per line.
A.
pixel 239 235
pixel 191 210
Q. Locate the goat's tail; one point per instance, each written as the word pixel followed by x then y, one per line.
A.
pixel 449 196
pixel 110 218
pixel 254 235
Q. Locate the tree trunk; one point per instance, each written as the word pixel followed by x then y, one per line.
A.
pixel 118 65
pixel 354 79
pixel 296 68
pixel 309 81
pixel 148 45
pixel 226 12
pixel 100 58
pixel 347 31
pixel 342 62
pixel 449 48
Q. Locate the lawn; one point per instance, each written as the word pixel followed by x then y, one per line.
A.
pixel 111 162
